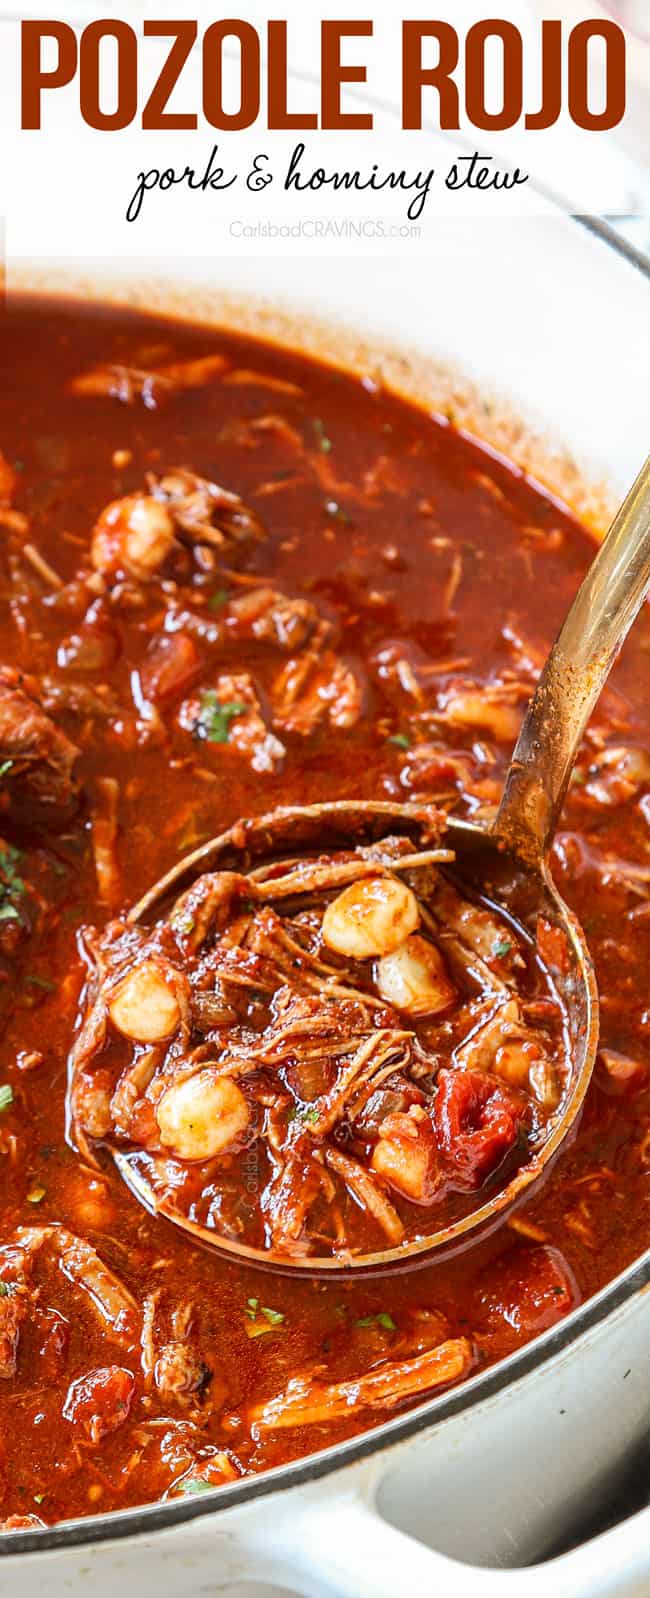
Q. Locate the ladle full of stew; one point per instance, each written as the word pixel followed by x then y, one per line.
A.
pixel 360 1031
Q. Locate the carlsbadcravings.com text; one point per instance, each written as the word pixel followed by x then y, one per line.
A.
pixel 474 171
pixel 330 227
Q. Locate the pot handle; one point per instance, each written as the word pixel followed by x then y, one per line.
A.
pixel 337 1545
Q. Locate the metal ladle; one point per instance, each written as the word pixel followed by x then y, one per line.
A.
pixel 507 864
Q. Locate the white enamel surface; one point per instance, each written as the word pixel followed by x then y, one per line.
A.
pixel 537 311
pixel 557 323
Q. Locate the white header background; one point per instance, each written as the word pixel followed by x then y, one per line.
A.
pixel 65 190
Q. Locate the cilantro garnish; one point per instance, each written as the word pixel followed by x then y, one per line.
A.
pixel 12 887
pixel 382 1318
pixel 305 1113
pixel 6 1095
pixel 196 1484
pixel 261 1317
pixel 214 718
pixel 324 443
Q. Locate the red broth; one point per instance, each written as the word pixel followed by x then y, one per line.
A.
pixel 134 1364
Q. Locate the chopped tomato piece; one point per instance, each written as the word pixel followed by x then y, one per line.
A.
pixel 171 667
pixel 529 1289
pixel 477 1123
pixel 100 1401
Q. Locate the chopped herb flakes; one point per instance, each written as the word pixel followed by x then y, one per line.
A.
pixel 500 949
pixel 382 1318
pixel 5 767
pixel 12 887
pixel 273 1316
pixel 308 1112
pixel 218 599
pixel 4 1290
pixel 324 443
pixel 214 718
pixel 6 1095
pixel 401 739
pixel 41 982
pixel 196 1484
pixel 260 1318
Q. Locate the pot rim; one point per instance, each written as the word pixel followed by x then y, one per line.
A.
pixel 117 1525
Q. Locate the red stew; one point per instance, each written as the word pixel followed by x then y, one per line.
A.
pixel 286 1063
pixel 232 579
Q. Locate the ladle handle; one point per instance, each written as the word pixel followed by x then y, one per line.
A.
pixel 575 673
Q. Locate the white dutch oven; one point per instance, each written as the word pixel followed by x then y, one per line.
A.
pixel 456 1497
